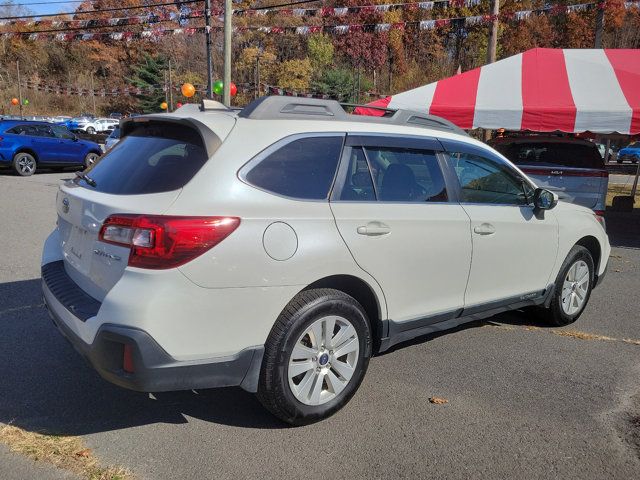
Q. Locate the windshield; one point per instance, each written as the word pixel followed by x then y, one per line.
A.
pixel 576 155
pixel 156 157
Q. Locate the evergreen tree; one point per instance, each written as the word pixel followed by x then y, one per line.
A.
pixel 149 73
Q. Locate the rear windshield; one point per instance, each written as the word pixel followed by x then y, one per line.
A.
pixel 575 155
pixel 156 157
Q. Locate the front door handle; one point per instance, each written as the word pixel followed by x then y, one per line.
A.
pixel 374 229
pixel 484 229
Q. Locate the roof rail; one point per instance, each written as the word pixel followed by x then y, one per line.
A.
pixel 297 108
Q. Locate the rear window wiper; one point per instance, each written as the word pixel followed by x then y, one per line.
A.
pixel 90 181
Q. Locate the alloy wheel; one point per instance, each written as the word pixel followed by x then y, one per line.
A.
pixel 26 164
pixel 323 360
pixel 575 287
pixel 91 159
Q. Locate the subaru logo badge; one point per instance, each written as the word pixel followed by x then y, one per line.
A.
pixel 65 205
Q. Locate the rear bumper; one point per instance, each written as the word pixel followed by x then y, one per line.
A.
pixel 154 370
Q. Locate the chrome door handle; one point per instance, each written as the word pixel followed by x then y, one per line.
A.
pixel 374 229
pixel 484 229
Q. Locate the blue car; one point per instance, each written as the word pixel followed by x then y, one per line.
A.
pixel 26 146
pixel 631 152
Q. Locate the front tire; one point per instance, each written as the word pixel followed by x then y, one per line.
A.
pixel 315 356
pixel 24 164
pixel 572 289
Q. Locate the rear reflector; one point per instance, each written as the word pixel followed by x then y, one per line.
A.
pixel 127 359
pixel 161 241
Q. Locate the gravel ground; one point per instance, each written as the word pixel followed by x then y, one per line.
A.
pixel 523 401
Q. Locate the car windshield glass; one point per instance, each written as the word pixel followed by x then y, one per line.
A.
pixel 577 155
pixel 155 157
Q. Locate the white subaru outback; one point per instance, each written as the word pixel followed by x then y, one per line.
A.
pixel 279 247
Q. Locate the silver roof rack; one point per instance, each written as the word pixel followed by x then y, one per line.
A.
pixel 296 108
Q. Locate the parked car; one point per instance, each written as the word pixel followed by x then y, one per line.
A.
pixel 102 125
pixel 602 149
pixel 116 115
pixel 77 123
pixel 569 167
pixel 629 153
pixel 112 139
pixel 189 257
pixel 26 146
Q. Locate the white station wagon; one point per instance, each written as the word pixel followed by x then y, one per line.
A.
pixel 278 248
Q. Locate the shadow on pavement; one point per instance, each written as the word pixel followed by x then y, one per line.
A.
pixel 623 228
pixel 46 386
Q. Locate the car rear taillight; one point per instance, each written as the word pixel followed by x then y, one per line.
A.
pixel 161 241
pixel 599 214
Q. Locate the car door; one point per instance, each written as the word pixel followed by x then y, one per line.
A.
pixel 514 248
pixel 45 143
pixel 69 149
pixel 391 206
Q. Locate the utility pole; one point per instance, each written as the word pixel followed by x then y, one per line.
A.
pixel 166 90
pixel 207 22
pixel 257 93
pixel 599 24
pixel 93 95
pixel 493 37
pixel 19 86
pixel 226 91
pixel 170 89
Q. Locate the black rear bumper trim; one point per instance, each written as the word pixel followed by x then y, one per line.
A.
pixel 67 292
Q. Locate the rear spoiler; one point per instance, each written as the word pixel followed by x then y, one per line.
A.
pixel 210 140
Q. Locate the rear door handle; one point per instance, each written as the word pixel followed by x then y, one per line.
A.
pixel 374 229
pixel 484 229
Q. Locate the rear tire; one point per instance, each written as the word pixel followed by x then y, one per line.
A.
pixel 24 164
pixel 572 288
pixel 90 159
pixel 315 356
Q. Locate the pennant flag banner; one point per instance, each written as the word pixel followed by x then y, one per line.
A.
pixel 156 33
pixel 148 19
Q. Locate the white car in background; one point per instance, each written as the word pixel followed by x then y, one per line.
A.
pixel 112 139
pixel 189 257
pixel 101 125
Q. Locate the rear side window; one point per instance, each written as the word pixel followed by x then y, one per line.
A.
pixel 155 157
pixel 549 154
pixel 303 168
pixel 406 175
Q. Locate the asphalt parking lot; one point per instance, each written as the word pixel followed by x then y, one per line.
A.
pixel 524 401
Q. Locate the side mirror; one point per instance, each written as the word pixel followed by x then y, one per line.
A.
pixel 544 199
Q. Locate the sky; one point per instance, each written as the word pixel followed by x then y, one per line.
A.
pixel 47 8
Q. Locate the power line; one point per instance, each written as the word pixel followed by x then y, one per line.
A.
pixel 38 3
pixel 113 9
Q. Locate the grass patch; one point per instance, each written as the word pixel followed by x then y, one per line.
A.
pixel 624 190
pixel 581 335
pixel 65 452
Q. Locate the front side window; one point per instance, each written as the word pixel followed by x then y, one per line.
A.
pixel 62 132
pixel 303 168
pixel 487 181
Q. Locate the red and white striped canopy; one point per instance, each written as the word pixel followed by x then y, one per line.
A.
pixel 541 90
